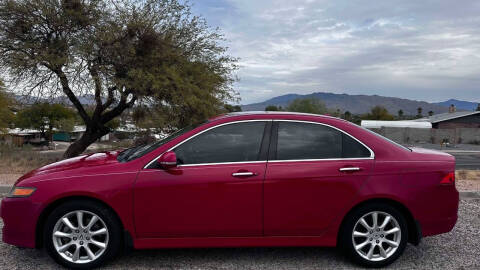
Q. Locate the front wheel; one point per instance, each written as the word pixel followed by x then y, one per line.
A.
pixel 82 234
pixel 374 235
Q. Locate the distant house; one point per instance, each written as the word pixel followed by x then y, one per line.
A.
pixel 75 134
pixel 450 120
pixel 454 119
pixel 19 137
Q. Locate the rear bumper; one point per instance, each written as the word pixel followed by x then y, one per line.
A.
pixel 438 226
pixel 19 221
pixel 442 216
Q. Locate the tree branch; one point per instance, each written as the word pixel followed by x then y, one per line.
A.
pixel 109 97
pixel 66 89
pixel 122 105
pixel 98 90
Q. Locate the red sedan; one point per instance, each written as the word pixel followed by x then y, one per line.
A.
pixel 238 180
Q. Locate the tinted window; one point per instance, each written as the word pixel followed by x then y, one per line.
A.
pixel 230 143
pixel 140 150
pixel 353 149
pixel 312 141
pixel 307 141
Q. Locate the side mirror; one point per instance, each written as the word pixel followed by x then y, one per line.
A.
pixel 168 160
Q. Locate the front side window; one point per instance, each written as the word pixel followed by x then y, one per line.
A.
pixel 237 142
pixel 297 141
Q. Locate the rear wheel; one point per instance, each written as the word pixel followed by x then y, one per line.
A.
pixel 82 234
pixel 374 235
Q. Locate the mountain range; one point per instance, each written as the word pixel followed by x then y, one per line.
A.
pixel 359 104
pixel 460 104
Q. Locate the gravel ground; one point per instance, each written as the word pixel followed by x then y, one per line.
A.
pixel 459 249
pixel 468 185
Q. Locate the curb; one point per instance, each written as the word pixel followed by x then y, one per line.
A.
pixel 463 194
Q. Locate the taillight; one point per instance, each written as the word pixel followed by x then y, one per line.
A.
pixel 448 179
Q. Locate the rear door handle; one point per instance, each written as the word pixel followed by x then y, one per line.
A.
pixel 349 169
pixel 240 174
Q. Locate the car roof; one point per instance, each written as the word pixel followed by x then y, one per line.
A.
pixel 271 113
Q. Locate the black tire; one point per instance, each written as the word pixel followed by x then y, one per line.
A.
pixel 114 228
pixel 347 243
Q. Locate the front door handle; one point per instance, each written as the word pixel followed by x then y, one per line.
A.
pixel 243 174
pixel 349 169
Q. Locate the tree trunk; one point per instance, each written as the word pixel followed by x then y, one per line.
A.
pixel 80 145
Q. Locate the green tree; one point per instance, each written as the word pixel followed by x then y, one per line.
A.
pixel 123 52
pixel 307 105
pixel 44 117
pixel 400 114
pixel 347 116
pixel 430 113
pixel 272 108
pixel 378 113
pixel 6 115
pixel 419 112
pixel 232 108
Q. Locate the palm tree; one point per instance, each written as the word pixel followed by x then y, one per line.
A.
pixel 419 112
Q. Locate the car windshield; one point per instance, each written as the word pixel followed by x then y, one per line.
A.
pixel 140 150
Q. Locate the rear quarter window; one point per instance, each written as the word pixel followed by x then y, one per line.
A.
pixel 300 141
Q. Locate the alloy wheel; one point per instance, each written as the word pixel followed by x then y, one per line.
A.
pixel 376 236
pixel 80 236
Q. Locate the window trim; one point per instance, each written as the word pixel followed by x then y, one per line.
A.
pixel 275 143
pixel 267 121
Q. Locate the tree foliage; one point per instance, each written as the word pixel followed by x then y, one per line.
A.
pixel 378 113
pixel 273 108
pixel 419 112
pixel 125 52
pixel 347 116
pixel 307 105
pixel 6 115
pixel 232 108
pixel 400 114
pixel 45 117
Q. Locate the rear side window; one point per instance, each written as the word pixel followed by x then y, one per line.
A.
pixel 297 141
pixel 353 149
pixel 235 142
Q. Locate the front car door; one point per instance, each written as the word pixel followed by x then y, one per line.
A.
pixel 215 191
pixel 314 170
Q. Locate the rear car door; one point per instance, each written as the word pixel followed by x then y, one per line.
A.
pixel 215 191
pixel 313 171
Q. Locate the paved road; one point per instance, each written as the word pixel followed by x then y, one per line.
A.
pixel 467 160
pixel 459 249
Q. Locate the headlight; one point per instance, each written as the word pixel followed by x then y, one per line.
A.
pixel 21 192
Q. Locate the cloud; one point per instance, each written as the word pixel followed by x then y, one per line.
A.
pixel 427 50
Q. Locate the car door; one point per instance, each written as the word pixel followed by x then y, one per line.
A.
pixel 313 171
pixel 215 191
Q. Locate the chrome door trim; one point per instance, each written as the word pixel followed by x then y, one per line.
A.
pixel 222 163
pixel 319 159
pixel 210 128
pixel 372 154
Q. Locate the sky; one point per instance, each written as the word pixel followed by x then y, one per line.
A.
pixel 421 49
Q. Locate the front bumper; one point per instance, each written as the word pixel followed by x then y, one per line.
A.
pixel 19 221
